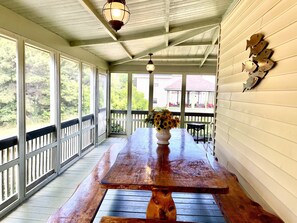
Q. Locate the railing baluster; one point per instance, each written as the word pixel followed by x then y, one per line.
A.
pixel 27 164
pixel 39 157
pixel 5 184
pixel 1 185
pixel 119 117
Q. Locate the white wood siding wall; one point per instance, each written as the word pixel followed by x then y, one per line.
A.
pixel 256 131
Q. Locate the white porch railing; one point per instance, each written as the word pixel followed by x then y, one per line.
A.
pixel 41 156
pixel 118 120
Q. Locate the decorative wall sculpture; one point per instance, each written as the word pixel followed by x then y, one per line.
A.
pixel 259 63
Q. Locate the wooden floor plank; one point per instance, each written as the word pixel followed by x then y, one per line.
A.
pixel 16 220
pixel 148 193
pixel 133 204
pixel 126 207
pixel 182 209
pixel 200 219
pixel 176 200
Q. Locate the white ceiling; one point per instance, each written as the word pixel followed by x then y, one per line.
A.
pixel 177 32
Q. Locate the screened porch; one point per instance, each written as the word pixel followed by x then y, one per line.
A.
pixel 69 83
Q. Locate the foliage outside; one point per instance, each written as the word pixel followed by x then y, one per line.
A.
pixel 102 91
pixel 8 103
pixel 69 72
pixel 86 89
pixel 37 80
pixel 119 94
pixel 38 88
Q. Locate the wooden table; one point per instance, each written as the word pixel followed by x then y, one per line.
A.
pixel 178 167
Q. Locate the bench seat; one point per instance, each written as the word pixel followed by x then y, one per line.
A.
pixel 109 219
pixel 84 203
pixel 236 206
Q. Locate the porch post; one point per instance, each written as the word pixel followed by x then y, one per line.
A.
pixel 21 117
pixel 108 97
pixel 151 91
pixel 129 120
pixel 56 109
pixel 80 108
pixel 94 102
pixel 183 99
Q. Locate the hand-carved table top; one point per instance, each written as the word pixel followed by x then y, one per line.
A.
pixel 181 166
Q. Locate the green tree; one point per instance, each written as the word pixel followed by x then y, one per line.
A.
pixel 86 90
pixel 119 94
pixel 8 103
pixel 119 91
pixel 139 102
pixel 102 91
pixel 69 89
pixel 37 73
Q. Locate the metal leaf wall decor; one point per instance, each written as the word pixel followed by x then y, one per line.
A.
pixel 259 63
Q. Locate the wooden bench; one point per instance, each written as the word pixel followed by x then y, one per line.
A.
pixel 83 205
pixel 236 206
pixel 109 219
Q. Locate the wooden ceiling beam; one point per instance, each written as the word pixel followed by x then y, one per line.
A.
pixel 142 54
pixel 210 70
pixel 196 43
pixel 211 47
pixel 177 57
pixel 182 38
pixel 167 21
pixel 148 34
pixel 109 40
pixel 93 11
pixel 171 63
pixel 196 24
pixel 113 34
pixel 189 35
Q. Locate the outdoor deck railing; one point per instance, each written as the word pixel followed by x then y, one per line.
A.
pixel 119 123
pixel 40 155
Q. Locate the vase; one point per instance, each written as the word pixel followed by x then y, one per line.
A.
pixel 163 136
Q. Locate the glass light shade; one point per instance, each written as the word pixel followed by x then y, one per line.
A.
pixel 117 13
pixel 150 67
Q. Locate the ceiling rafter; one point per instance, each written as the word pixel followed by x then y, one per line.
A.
pixel 148 34
pixel 109 40
pixel 211 47
pixel 167 21
pixel 196 43
pixel 194 69
pixel 92 10
pixel 177 57
pixel 182 38
pixel 169 63
pixel 196 24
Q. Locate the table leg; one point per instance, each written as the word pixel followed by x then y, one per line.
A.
pixel 161 206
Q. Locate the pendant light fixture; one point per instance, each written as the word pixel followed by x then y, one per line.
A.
pixel 150 67
pixel 116 13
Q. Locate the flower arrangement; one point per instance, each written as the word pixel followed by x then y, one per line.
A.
pixel 162 119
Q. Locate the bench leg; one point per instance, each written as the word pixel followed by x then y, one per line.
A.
pixel 161 206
